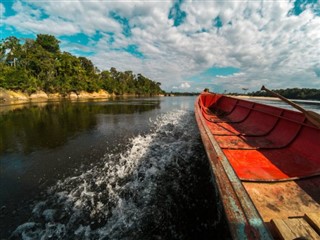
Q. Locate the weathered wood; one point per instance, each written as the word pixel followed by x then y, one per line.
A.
pixel 314 220
pixel 282 229
pixel 243 218
pixel 294 228
pixel 285 199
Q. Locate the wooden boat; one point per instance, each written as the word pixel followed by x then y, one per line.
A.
pixel 266 164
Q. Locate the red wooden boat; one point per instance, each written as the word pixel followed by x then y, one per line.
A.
pixel 266 164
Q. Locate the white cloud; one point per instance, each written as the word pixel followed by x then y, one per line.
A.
pixel 50 26
pixel 2 11
pixel 260 38
pixel 183 86
pixel 28 20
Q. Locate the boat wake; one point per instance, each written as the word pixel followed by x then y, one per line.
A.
pixel 158 187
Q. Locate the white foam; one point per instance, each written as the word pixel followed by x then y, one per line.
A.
pixel 110 200
pixel 24 227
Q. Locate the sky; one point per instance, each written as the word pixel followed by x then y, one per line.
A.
pixel 185 45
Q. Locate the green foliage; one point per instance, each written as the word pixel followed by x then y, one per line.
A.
pixel 292 93
pixel 39 65
pixel 48 42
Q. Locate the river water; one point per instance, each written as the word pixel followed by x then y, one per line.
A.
pixel 131 168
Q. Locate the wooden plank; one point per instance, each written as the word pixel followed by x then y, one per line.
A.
pixel 314 220
pixel 284 199
pixel 302 228
pixel 294 228
pixel 283 230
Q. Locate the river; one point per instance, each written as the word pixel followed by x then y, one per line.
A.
pixel 126 168
pixel 130 168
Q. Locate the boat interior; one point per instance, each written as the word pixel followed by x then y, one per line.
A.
pixel 280 144
pixel 276 154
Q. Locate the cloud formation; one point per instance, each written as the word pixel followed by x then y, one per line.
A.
pixel 183 86
pixel 276 43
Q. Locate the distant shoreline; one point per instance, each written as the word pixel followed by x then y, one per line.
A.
pixel 274 99
pixel 9 97
pixel 255 97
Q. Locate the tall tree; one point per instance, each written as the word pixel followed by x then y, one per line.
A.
pixel 87 65
pixel 10 50
pixel 48 42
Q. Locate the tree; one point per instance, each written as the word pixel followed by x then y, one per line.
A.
pixel 10 50
pixel 39 65
pixel 48 42
pixel 87 65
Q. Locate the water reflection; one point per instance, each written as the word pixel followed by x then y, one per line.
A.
pixel 48 125
pixel 41 144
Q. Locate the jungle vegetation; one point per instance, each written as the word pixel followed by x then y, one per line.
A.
pixel 39 64
pixel 292 93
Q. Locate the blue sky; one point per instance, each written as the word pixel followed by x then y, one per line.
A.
pixel 185 45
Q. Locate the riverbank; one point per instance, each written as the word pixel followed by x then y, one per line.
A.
pixel 9 96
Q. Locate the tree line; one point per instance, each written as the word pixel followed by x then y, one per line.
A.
pixel 292 93
pixel 39 64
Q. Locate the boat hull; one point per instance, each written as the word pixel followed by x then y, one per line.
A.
pixel 265 161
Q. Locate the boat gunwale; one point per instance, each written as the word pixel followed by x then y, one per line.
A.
pixel 249 224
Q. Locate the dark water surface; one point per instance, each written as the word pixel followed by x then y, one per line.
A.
pixel 119 169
